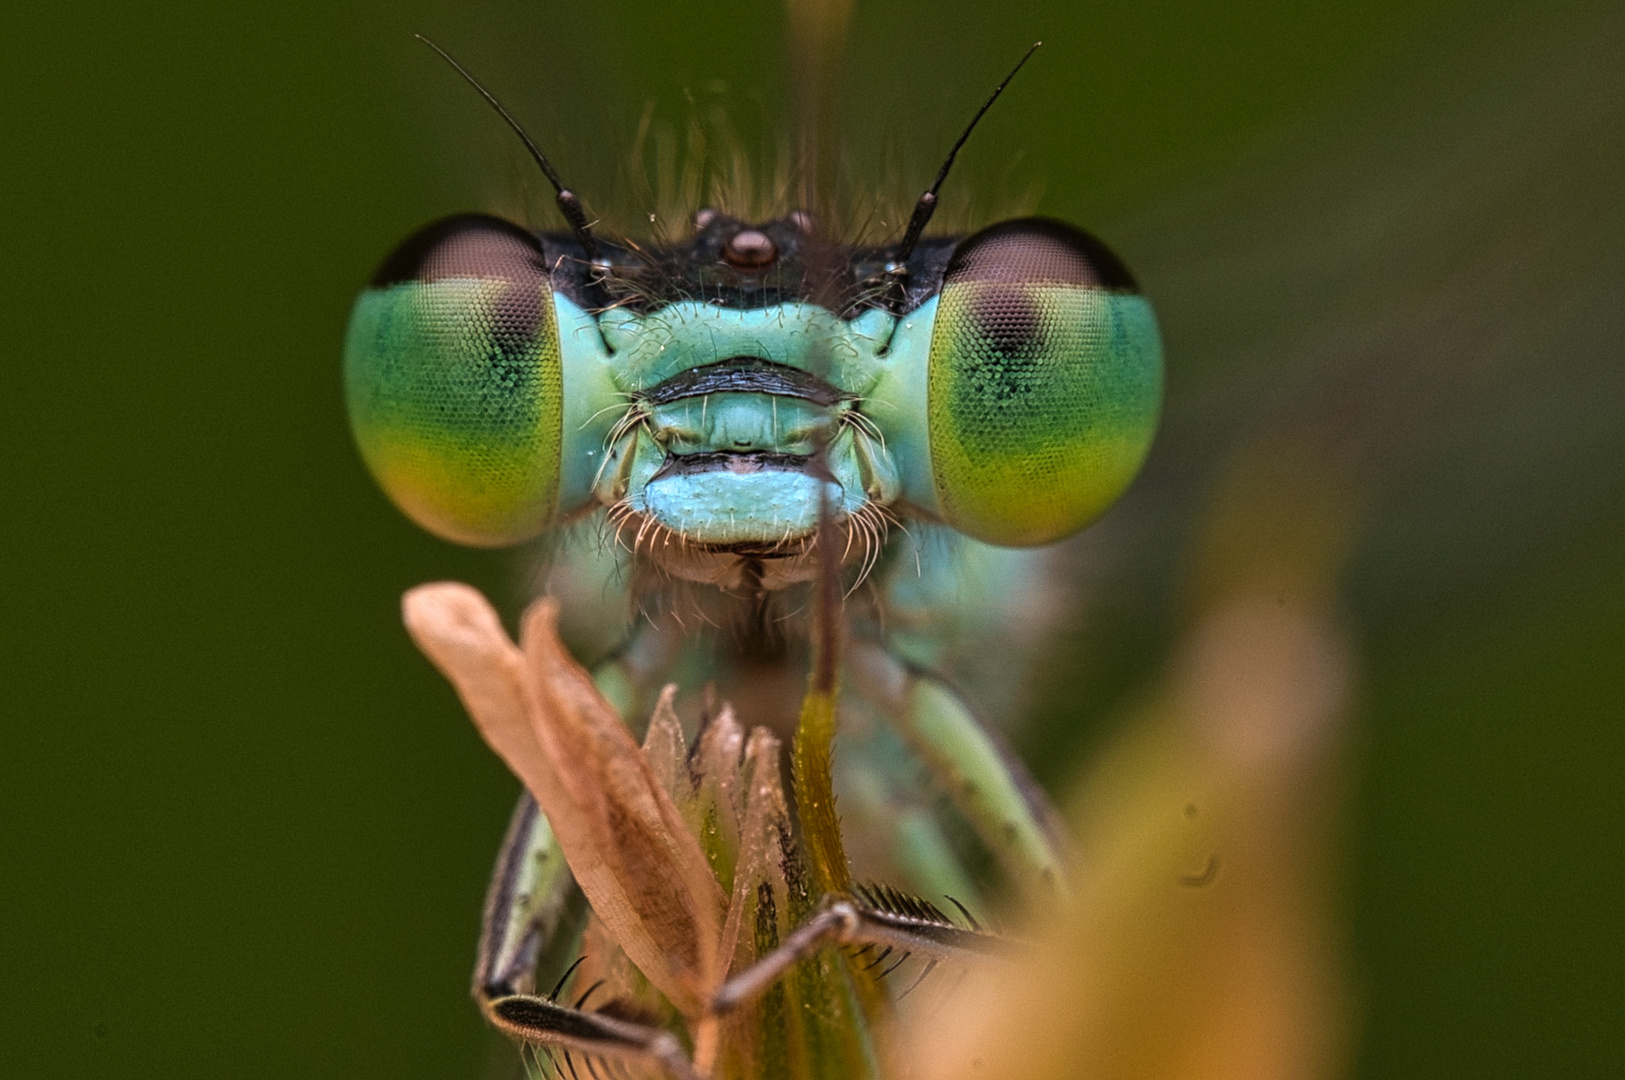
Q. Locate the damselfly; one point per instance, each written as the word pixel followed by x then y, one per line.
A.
pixel 798 463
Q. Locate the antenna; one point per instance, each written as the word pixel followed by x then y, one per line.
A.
pixel 927 204
pixel 569 204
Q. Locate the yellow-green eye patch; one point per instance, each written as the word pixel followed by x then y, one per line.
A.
pixel 1045 380
pixel 454 381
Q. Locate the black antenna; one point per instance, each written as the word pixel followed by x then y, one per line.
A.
pixel 569 205
pixel 927 204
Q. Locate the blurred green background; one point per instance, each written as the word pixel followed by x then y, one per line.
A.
pixel 244 828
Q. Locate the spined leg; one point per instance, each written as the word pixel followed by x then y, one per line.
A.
pixel 534 915
pixel 872 917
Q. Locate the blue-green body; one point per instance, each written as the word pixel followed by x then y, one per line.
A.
pixel 710 426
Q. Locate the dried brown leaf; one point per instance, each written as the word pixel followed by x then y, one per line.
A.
pixel 641 869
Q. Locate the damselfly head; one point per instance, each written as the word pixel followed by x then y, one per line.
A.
pixel 707 393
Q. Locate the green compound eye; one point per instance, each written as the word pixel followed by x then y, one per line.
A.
pixel 1044 385
pixel 454 381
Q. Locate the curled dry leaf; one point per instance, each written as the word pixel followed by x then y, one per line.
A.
pixel 653 886
pixel 638 865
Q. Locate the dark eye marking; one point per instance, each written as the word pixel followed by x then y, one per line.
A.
pixel 516 315
pixel 1008 320
pixel 506 321
pixel 1005 353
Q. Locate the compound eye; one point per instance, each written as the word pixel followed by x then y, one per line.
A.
pixel 454 381
pixel 1044 385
